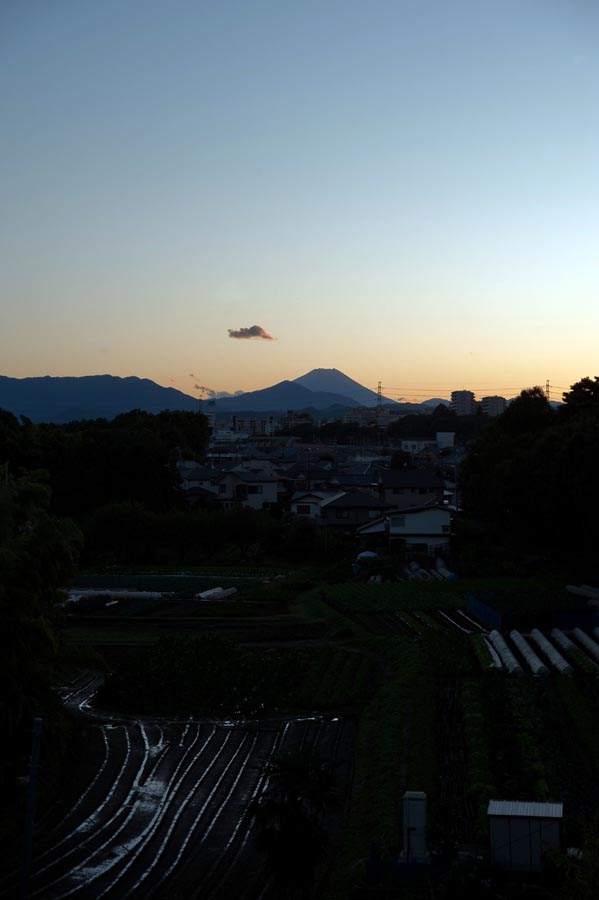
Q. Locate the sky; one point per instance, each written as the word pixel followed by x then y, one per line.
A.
pixel 246 190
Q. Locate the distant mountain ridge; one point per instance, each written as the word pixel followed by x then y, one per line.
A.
pixel 332 380
pixel 282 396
pixel 64 399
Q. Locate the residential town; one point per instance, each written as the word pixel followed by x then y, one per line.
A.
pixel 377 674
pixel 336 487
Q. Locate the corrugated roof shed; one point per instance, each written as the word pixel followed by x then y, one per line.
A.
pixel 525 809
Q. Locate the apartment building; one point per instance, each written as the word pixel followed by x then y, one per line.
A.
pixel 493 406
pixel 463 403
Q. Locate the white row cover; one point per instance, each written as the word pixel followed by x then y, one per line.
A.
pixel 562 639
pixel 217 593
pixel 507 657
pixel 587 642
pixel 536 664
pixel 555 658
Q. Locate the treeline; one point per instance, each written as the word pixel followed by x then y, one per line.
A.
pixel 426 426
pixel 530 485
pixel 131 533
pixel 37 557
pixel 102 492
pixel 118 481
pixel 206 675
pixel 53 480
pixel 94 462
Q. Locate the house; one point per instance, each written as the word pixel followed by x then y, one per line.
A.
pixel 365 482
pixel 351 508
pixel 410 487
pixel 198 477
pixel 260 464
pixel 422 529
pixel 304 476
pixel 199 497
pixel 307 504
pixel 416 445
pixel 256 490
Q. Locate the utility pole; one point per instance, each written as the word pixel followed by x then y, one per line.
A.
pixel 547 390
pixel 379 402
pixel 30 810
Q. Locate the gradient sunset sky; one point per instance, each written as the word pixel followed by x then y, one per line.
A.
pixel 407 191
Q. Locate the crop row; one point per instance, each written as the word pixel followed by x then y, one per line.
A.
pixel 480 781
pixel 336 678
pixel 396 596
pixel 389 622
pixel 166 807
pixel 395 751
pixel 519 653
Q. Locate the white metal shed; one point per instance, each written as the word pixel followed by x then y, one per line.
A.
pixel 521 832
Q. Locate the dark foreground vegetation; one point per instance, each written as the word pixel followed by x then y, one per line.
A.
pixel 429 715
pixel 214 676
pixel 530 484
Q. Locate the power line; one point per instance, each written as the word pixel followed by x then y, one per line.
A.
pixel 420 389
pixel 434 385
pixel 428 390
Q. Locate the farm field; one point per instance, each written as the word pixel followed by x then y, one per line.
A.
pixel 165 811
pixel 488 735
pixel 394 683
pixel 191 580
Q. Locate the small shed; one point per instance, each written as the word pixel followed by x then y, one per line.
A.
pixel 521 832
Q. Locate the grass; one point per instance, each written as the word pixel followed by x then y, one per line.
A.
pixel 142 571
pixel 337 678
pixel 367 597
pixel 528 729
pixel 582 715
pixel 425 621
pixel 481 786
pixel 506 593
pixel 393 684
pixel 581 660
pixel 394 752
pixel 96 636
pixel 311 607
pixel 482 652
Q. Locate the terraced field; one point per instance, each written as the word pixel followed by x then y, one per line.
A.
pixel 164 813
pixel 389 622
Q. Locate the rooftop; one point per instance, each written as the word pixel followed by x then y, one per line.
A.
pixel 525 809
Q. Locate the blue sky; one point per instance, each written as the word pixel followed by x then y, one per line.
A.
pixel 406 191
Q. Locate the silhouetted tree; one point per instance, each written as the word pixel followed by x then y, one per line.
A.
pixel 529 411
pixel 583 397
pixel 531 481
pixel 37 558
